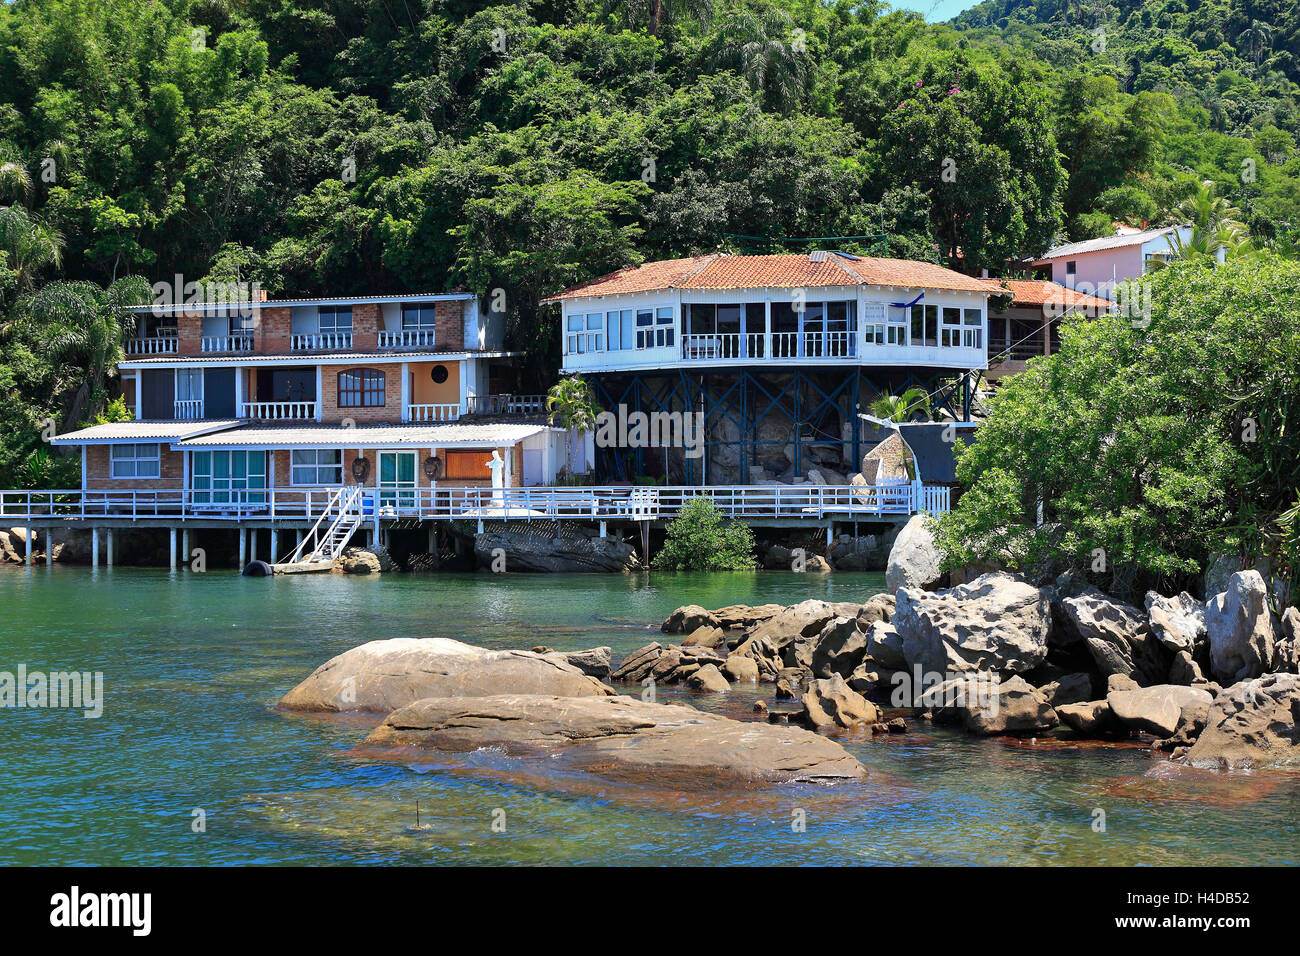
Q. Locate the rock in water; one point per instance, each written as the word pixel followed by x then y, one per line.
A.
pixel 383 675
pixel 358 561
pixel 1158 710
pixel 1017 709
pixel 688 619
pixel 709 679
pixel 566 549
pixel 1288 645
pixel 1117 636
pixel 994 623
pixel 622 737
pixel 838 648
pixel 1241 630
pixel 831 703
pixel 1177 622
pixel 1252 725
pixel 594 661
pixel 915 560
pixel 885 645
pixel 1089 718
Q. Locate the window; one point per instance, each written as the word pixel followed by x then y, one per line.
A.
pixel 972 336
pixel 335 319
pixel 925 324
pixel 622 330
pixel 361 388
pixel 418 317
pixel 226 477
pixel 950 329
pixel 134 461
pixel 189 385
pixel 241 324
pixel 1070 273
pixel 576 341
pixel 316 466
pixel 645 335
pixel 664 328
pixel 595 332
pixel 884 325
pixel 614 331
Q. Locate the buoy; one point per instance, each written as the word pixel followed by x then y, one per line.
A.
pixel 258 569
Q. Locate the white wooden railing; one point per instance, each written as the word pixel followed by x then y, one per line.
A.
pixel 451 504
pixel 226 343
pixel 318 341
pixel 280 411
pixel 432 413
pixel 709 347
pixel 152 345
pixel 405 338
pixel 505 404
pixel 188 409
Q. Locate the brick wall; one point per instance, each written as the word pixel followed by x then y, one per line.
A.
pixel 365 327
pixel 389 413
pixel 273 329
pixel 189 333
pixel 449 324
pixel 98 471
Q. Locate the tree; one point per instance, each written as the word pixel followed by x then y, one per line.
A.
pixel 762 49
pixel 701 539
pixel 30 246
pixel 902 408
pixel 1257 35
pixel 571 404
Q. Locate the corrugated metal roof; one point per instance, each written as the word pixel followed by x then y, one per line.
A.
pixel 1104 243
pixel 306 358
pixel 365 436
pixel 135 431
pixel 793 271
pixel 242 306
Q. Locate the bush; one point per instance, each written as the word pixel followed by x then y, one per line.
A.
pixel 701 539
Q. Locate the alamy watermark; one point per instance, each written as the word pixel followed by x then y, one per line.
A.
pixel 626 429
pixel 72 690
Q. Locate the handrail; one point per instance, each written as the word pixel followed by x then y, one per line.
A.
pixel 296 555
pixel 890 497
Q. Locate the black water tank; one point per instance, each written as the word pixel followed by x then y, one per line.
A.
pixel 258 569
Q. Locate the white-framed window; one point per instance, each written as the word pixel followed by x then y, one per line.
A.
pixel 135 461
pixel 316 466
pixel 423 317
pixel 334 319
pixel 595 331
pixel 576 339
pixel 226 477
pixel 972 333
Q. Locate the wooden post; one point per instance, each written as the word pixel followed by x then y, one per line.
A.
pixel 94 547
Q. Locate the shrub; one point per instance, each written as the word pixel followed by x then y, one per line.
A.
pixel 701 539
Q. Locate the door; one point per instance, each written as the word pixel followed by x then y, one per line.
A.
pixel 396 479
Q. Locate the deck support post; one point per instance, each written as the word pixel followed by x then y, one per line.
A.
pixel 433 537
pixel 274 541
pixel 243 549
pixel 27 545
pixel 185 546
pixel 603 530
pixel 645 543
pixel 171 547
pixel 252 544
pixel 480 525
pixel 49 548
pixel 830 534
pixel 94 547
pixel 109 556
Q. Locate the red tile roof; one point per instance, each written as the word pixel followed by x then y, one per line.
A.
pixel 1039 292
pixel 793 270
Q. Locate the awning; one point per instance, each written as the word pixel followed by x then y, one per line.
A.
pixel 117 433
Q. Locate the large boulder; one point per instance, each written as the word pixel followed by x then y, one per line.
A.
pixel 915 560
pixel 1241 629
pixel 1007 707
pixel 708 679
pixel 637 665
pixel 359 561
pixel 1177 622
pixel 1288 645
pixel 1161 708
pixel 1090 718
pixel 885 646
pixel 832 703
pixel 621 737
pixel 1252 725
pixel 688 619
pixel 1117 636
pixel 381 676
pixel 805 619
pixel 838 648
pixel 594 661
pixel 526 547
pixel 994 623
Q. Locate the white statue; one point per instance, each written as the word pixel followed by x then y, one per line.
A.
pixel 497 465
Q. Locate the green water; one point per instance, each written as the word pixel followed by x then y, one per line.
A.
pixel 193 664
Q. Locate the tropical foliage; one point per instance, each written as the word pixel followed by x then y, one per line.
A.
pixel 700 538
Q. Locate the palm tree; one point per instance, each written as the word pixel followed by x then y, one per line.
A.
pixel 571 404
pixel 1258 35
pixel 30 245
pixel 760 49
pixel 902 408
pixel 15 182
pixel 1215 225
pixel 656 12
pixel 82 325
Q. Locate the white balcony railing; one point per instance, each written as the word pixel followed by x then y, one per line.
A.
pixel 152 345
pixel 505 404
pixel 713 347
pixel 406 338
pixel 226 343
pixel 280 411
pixel 189 408
pixel 320 341
pixel 432 413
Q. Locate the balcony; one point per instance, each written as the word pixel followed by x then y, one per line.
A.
pixel 724 346
pixel 321 341
pixel 505 404
pixel 227 343
pixel 406 338
pixel 188 409
pixel 432 413
pixel 152 345
pixel 280 411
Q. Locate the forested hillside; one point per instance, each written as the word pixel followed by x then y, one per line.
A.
pixel 353 146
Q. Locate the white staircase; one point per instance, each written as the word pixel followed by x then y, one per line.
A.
pixel 339 520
